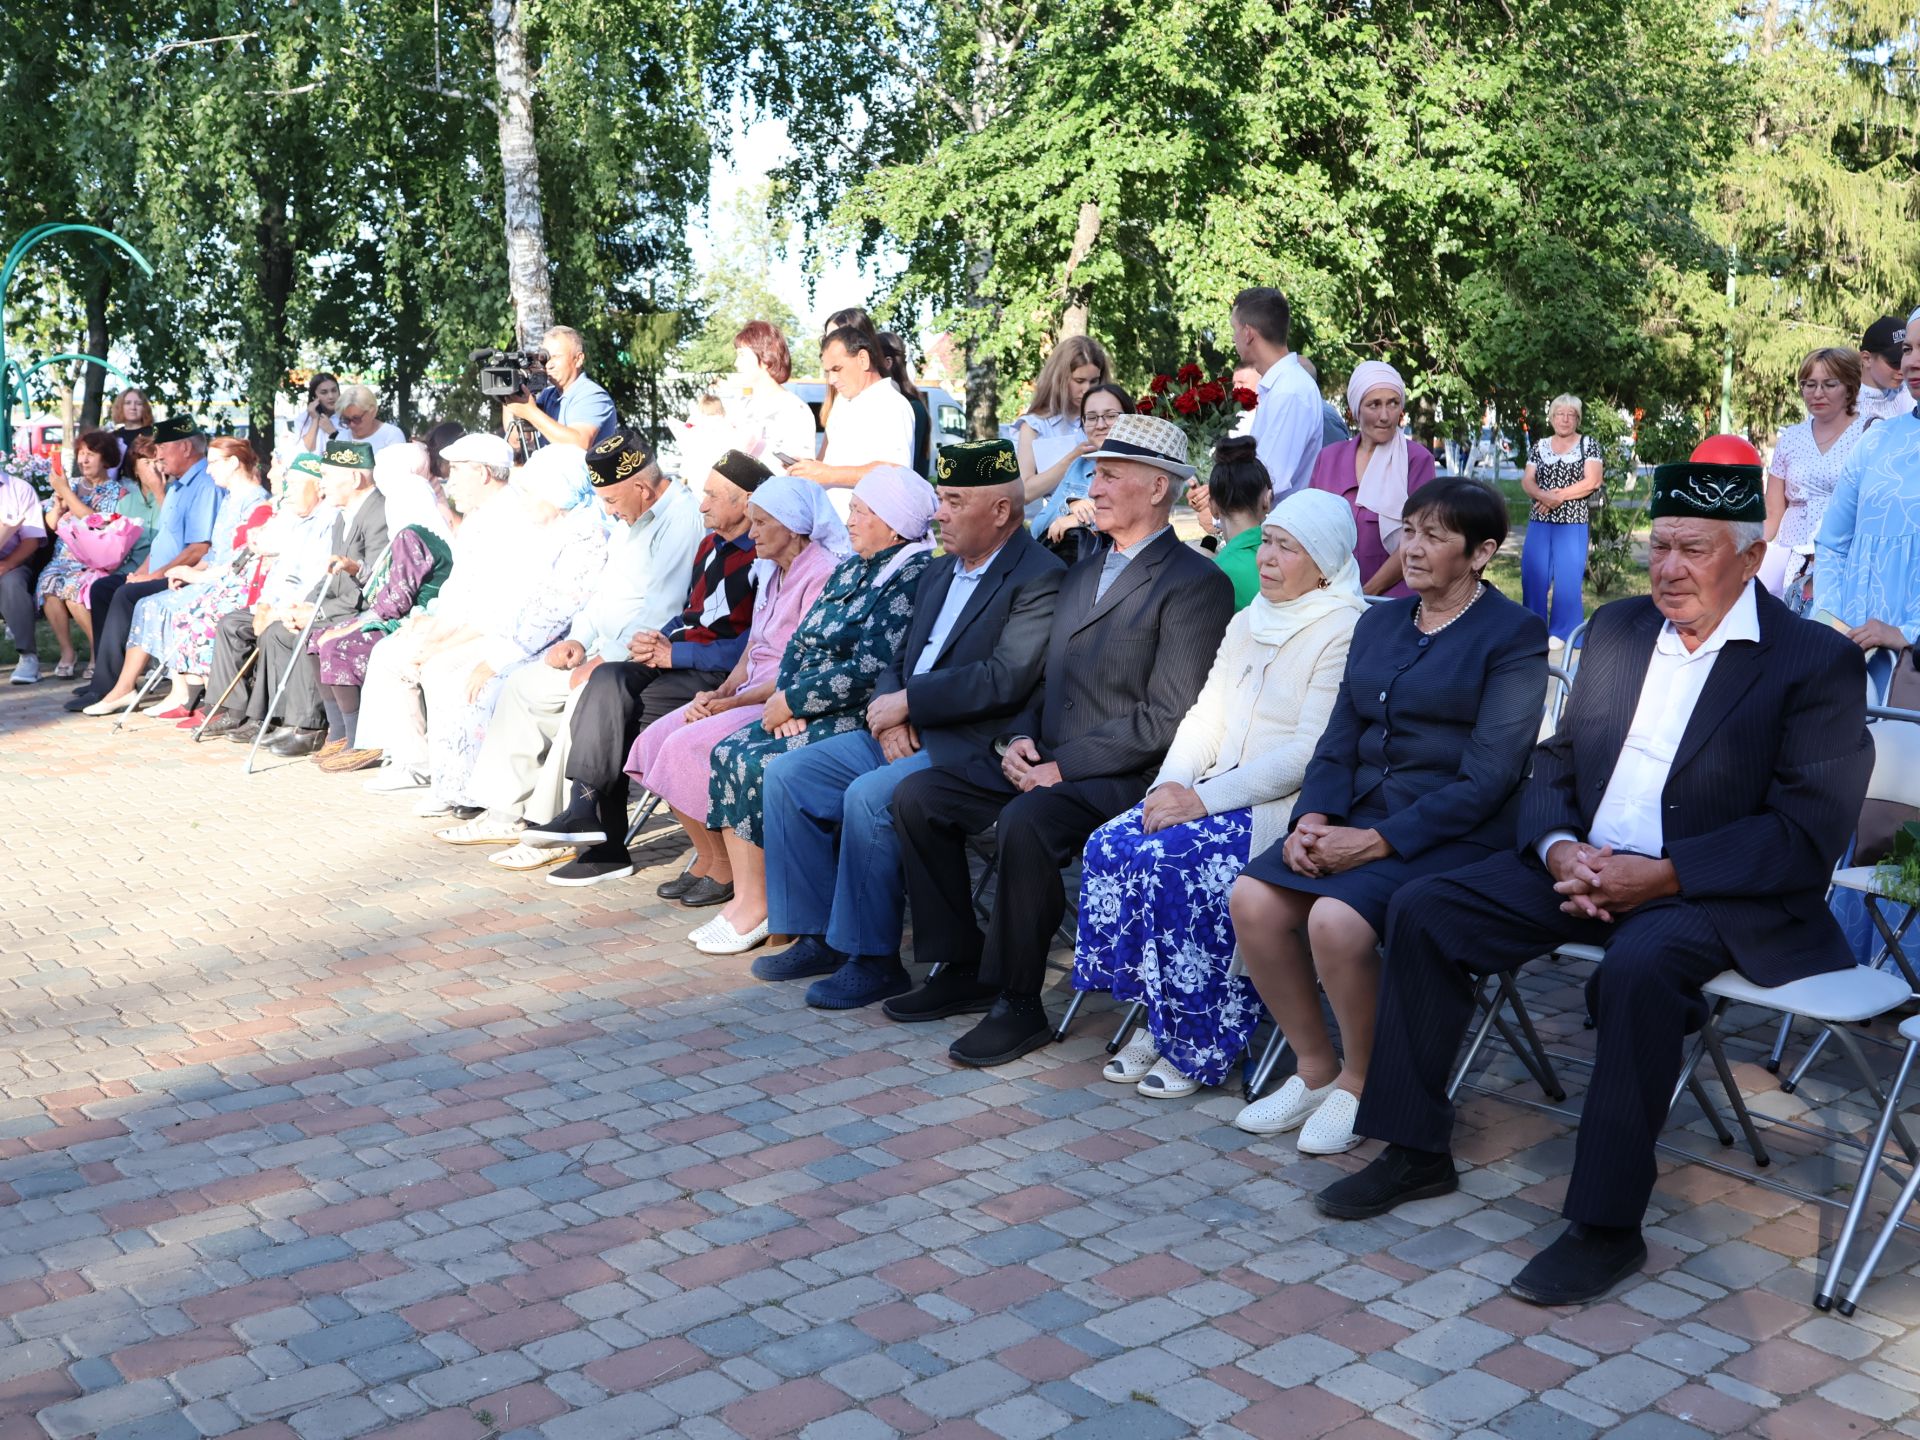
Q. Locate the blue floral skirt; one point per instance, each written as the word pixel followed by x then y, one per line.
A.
pixel 1154 927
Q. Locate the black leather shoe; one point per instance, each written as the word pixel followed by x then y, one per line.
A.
pixel 80 702
pixel 225 723
pixel 243 733
pixel 1015 1025
pixel 578 824
pixel 953 991
pixel 1583 1264
pixel 676 887
pixel 299 742
pixel 1396 1176
pixel 705 891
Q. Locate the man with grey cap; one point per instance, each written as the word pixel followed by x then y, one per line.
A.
pixel 1134 631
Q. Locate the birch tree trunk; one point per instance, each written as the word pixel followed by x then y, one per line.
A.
pixel 1079 298
pixel 529 278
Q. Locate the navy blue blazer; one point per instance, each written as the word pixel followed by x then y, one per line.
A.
pixel 1430 734
pixel 990 661
pixel 1765 789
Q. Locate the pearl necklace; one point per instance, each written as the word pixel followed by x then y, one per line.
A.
pixel 1420 609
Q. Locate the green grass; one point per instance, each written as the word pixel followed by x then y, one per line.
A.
pixel 1505 570
pixel 49 647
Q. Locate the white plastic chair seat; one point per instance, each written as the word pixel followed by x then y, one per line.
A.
pixel 1910 1028
pixel 1581 952
pixel 1860 878
pixel 1841 997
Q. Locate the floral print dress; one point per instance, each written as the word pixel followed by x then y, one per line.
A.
pixel 1154 928
pixel 828 673
pixel 64 575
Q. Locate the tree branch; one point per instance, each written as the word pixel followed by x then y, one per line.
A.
pixel 196 44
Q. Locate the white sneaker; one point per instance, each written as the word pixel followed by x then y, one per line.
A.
pixel 1132 1063
pixel 481 830
pixel 529 857
pixel 1164 1082
pixel 396 780
pixel 431 807
pixel 718 937
pixel 1330 1131
pixel 1286 1109
pixel 27 672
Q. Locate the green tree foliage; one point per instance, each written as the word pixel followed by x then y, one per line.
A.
pixel 738 285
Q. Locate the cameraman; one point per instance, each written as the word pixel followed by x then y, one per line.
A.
pixel 572 410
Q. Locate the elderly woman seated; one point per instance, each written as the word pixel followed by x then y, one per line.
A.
pixel 827 675
pixel 94 490
pixel 1418 773
pixel 158 619
pixel 799 540
pixel 418 560
pixel 1154 925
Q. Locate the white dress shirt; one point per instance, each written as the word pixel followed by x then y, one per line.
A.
pixel 1629 815
pixel 644 583
pixel 1287 425
pixel 875 427
pixel 960 590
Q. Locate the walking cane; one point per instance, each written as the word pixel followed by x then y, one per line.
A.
pixel 147 685
pixel 299 649
pixel 238 676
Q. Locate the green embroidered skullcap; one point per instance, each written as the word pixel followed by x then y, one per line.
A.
pixel 972 463
pixel 176 427
pixel 347 455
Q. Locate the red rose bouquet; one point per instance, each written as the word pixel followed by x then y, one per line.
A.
pixel 1206 409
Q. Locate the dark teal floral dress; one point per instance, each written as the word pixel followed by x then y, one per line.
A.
pixel 828 674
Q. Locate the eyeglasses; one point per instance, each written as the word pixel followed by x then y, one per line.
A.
pixel 1100 417
pixel 1807 385
pixel 351 418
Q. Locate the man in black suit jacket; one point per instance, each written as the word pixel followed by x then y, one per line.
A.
pixel 1134 633
pixel 971 660
pixel 1685 816
pixel 359 540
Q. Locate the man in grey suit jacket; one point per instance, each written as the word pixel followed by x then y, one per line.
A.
pixel 359 540
pixel 970 663
pixel 1134 632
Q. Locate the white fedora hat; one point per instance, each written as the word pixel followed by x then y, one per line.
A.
pixel 1149 440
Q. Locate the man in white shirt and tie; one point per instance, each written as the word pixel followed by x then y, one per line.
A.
pixel 1685 816
pixel 1288 422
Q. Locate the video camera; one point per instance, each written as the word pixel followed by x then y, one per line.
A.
pixel 507 373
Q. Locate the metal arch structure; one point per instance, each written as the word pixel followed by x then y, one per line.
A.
pixel 10 373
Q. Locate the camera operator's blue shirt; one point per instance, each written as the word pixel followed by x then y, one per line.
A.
pixel 583 403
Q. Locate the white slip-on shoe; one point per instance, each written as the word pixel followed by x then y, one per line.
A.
pixel 718 937
pixel 396 780
pixel 1286 1109
pixel 430 806
pixel 1330 1131
pixel 1164 1082
pixel 529 857
pixel 481 830
pixel 1132 1063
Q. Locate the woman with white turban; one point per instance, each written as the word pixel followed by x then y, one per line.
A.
pixel 525 609
pixel 799 539
pixel 1375 472
pixel 826 676
pixel 1154 923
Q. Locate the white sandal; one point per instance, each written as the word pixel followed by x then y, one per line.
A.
pixel 718 937
pixel 1330 1131
pixel 530 857
pixel 1164 1082
pixel 1286 1109
pixel 1130 1066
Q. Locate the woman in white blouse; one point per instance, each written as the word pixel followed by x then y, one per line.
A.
pixel 1807 464
pixel 1154 921
pixel 768 420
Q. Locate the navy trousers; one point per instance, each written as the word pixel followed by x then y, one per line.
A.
pixel 1446 931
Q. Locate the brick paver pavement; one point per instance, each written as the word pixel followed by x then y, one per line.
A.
pixel 311 1126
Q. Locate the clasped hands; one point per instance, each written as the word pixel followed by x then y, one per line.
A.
pixel 1024 768
pixel 1600 885
pixel 1318 847
pixel 778 719
pixel 891 729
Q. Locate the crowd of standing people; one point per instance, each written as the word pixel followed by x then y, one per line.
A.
pixel 1301 763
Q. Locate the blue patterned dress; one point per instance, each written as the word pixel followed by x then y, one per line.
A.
pixel 1154 928
pixel 828 673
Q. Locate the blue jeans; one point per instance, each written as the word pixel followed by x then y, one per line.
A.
pixel 842 784
pixel 1553 558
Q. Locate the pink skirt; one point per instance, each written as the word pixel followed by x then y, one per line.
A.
pixel 674 759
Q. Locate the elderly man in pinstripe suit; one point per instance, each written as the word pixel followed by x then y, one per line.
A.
pixel 1134 632
pixel 1685 816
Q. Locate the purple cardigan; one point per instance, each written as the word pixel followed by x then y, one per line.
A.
pixel 1334 473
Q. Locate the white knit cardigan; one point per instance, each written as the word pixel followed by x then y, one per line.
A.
pixel 1249 736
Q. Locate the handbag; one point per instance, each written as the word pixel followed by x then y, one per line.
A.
pixel 100 542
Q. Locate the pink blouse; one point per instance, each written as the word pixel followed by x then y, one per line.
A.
pixel 780 606
pixel 1334 473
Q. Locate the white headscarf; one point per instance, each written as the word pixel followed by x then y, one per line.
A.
pixel 803 507
pixel 400 474
pixel 903 499
pixel 556 474
pixel 1323 524
pixel 1383 488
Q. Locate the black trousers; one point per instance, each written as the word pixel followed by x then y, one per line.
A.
pixel 233 642
pixel 112 607
pixel 620 700
pixel 1039 834
pixel 1445 931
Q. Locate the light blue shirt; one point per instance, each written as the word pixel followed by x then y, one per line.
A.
pixel 1866 563
pixel 1073 486
pixel 960 590
pixel 582 403
pixel 644 582
pixel 186 517
pixel 1118 560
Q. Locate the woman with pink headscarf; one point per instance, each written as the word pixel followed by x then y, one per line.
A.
pixel 1375 472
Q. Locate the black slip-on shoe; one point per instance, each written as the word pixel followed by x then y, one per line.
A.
pixel 1394 1177
pixel 1583 1264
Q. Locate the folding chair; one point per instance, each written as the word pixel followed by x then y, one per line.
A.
pixel 641 818
pixel 1870 1171
pixel 1893 798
